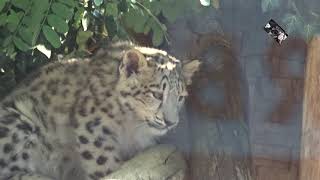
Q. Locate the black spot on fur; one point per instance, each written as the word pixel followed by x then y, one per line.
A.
pixel 14 168
pixel 65 93
pixel 99 174
pixel 25 127
pixel 107 94
pixel 106 130
pixel 98 142
pixel 153 85
pixel 116 159
pixel 3 163
pixel 108 172
pixel 93 177
pixel 110 115
pixel 66 81
pixel 82 112
pixel 7 148
pixel 9 119
pixel 72 68
pixel 101 160
pixel 104 109
pixel 25 156
pixel 109 148
pixel 3 132
pixel 14 158
pixel 128 106
pixel 92 110
pixel 86 155
pixel 15 138
pixel 83 140
pixel 45 99
pixel 97 102
pixel 124 94
pixel 137 93
pixel 91 124
pixel 66 159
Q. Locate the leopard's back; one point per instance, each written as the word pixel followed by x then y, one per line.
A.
pixel 104 109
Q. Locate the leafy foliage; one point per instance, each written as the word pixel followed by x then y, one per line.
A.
pixel 34 31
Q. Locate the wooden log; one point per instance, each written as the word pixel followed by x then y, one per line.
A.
pixel 310 141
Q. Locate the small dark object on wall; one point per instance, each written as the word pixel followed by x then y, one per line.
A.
pixel 275 31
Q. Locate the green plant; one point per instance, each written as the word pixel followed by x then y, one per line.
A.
pixel 52 25
pixel 34 31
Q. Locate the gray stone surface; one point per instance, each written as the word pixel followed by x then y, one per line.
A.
pixel 162 162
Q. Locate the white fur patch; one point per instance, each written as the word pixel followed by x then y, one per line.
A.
pixel 169 65
pixel 150 51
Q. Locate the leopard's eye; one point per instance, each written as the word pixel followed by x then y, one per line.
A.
pixel 157 95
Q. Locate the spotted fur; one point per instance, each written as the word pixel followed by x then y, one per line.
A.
pixel 82 118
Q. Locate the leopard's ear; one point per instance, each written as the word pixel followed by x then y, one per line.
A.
pixel 132 63
pixel 189 69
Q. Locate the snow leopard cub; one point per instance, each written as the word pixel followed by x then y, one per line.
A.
pixel 81 118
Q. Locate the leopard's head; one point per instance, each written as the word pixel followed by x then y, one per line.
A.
pixel 154 84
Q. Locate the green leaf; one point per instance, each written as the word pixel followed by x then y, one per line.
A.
pixel 22 4
pixel 2 4
pixel 62 11
pixel 267 5
pixel 20 44
pixel 3 19
pixel 44 50
pixel 7 41
pixel 26 34
pixel 70 3
pixel 13 20
pixel 139 25
pixel 111 25
pixel 157 37
pixel 205 2
pixel 51 36
pixel 292 23
pixel 59 24
pixel 154 7
pixel 132 17
pixel 147 27
pixel 98 2
pixel 10 51
pixel 112 9
pixel 36 16
pixel 171 11
pixel 83 37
